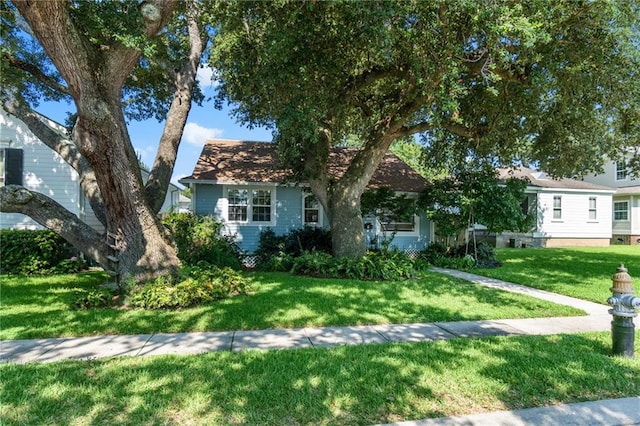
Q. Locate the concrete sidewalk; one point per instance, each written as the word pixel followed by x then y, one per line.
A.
pixel 57 349
pixel 610 412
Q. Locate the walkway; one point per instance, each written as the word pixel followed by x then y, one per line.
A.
pixel 613 412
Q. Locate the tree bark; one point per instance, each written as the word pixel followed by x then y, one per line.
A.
pixel 95 77
pixel 160 176
pixel 341 198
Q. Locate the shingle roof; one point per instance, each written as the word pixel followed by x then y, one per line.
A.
pixel 226 161
pixel 628 190
pixel 542 180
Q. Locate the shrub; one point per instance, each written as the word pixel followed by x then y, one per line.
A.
pixel 380 265
pixel 70 266
pixel 203 284
pixel 276 252
pixel 35 252
pixel 269 245
pixel 434 251
pixel 461 257
pixel 100 298
pixel 307 239
pixel 200 238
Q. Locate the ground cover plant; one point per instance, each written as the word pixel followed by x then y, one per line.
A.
pixel 584 273
pixel 348 385
pixel 34 307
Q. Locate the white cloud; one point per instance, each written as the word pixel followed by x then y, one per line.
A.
pixel 195 134
pixel 206 77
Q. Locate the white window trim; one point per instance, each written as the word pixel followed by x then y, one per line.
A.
pixel 249 221
pixel 594 209
pixel 320 222
pixel 553 208
pixel 625 171
pixel 614 210
pixel 414 233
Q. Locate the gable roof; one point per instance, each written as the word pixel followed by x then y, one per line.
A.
pixel 542 180
pixel 235 161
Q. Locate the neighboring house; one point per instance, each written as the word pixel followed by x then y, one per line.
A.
pixel 26 160
pixel 626 201
pixel 241 184
pixel 569 212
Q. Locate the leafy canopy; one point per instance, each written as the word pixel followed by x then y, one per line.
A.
pixel 555 84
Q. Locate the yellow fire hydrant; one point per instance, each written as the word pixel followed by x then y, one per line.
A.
pixel 624 310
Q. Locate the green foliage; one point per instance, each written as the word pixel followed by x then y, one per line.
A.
pixel 463 257
pixel 276 252
pixel 203 284
pixel 28 252
pixel 200 238
pixel 473 194
pixel 91 299
pixel 518 82
pixel 381 265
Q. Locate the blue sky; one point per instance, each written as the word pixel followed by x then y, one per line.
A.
pixel 203 123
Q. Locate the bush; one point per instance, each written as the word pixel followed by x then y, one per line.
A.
pixel 461 257
pixel 309 238
pixel 276 252
pixel 36 252
pixel 100 298
pixel 200 238
pixel 379 265
pixel 269 245
pixel 203 284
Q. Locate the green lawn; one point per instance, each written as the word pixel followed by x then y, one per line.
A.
pixel 34 307
pixel 349 385
pixel 584 273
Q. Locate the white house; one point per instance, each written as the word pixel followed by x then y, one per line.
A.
pixel 26 160
pixel 569 212
pixel 626 201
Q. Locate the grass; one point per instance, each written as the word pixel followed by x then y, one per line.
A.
pixel 349 385
pixel 35 307
pixel 584 273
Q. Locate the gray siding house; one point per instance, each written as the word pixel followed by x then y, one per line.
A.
pixel 241 184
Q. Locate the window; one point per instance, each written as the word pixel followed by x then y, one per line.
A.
pixel 10 166
pixel 557 207
pixel 621 210
pixel 621 170
pixel 261 205
pixel 311 211
pixel 592 208
pixel 249 205
pixel 405 224
pixel 238 204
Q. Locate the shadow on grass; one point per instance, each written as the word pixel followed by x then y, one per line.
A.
pixel 340 386
pixel 283 301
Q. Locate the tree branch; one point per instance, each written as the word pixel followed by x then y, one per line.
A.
pixel 35 72
pixel 57 139
pixel 185 80
pixel 50 214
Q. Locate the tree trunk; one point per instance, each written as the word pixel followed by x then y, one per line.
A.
pixel 345 217
pixel 139 242
pixel 95 76
pixel 343 196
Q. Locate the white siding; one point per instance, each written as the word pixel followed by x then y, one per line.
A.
pixel 575 222
pixel 44 171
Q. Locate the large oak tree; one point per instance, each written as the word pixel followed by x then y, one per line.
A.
pixel 550 83
pixel 112 59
